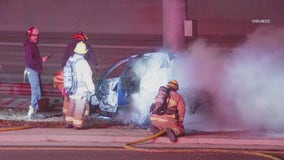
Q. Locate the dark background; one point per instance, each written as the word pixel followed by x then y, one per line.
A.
pixel 119 28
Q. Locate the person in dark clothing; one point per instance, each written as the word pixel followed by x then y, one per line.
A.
pixel 33 62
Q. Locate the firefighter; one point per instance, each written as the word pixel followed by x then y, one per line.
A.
pixel 90 55
pixel 76 114
pixel 69 51
pixel 172 119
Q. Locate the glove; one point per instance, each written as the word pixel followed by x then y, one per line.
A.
pixel 153 108
pixel 92 93
pixel 64 92
pixel 89 95
pixel 94 100
pixel 97 68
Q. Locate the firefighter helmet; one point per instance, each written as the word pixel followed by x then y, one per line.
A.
pixel 80 35
pixel 173 84
pixel 81 48
pixel 33 31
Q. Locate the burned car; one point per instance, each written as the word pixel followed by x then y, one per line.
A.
pixel 128 88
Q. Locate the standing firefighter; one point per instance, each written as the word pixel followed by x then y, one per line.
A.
pixel 168 115
pixel 79 85
pixel 90 56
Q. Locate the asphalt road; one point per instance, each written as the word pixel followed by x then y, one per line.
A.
pixel 117 153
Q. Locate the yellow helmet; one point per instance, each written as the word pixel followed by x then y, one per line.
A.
pixel 173 84
pixel 81 48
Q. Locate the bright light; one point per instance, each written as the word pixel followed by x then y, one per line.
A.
pixel 155 71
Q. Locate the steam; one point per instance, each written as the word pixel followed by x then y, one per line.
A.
pixel 255 78
pixel 202 70
pixel 244 83
pixel 153 71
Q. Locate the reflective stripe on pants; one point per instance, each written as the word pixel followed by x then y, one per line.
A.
pixel 76 112
pixel 167 121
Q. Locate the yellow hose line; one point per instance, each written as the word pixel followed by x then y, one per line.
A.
pixel 15 128
pixel 27 127
pixel 130 146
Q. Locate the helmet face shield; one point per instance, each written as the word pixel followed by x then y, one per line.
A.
pixel 81 48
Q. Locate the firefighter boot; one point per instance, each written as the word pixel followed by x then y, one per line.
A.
pixel 171 135
pixel 69 126
pixel 154 129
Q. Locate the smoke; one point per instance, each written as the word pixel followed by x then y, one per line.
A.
pixel 255 78
pixel 245 82
pixel 153 71
pixel 236 88
pixel 201 70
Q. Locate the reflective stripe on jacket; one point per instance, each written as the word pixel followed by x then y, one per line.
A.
pixel 176 103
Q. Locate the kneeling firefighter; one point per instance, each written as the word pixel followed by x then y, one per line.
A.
pixel 169 115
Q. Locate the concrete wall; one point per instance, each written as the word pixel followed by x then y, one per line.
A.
pixel 91 16
pixel 117 28
pixel 214 17
pixel 234 17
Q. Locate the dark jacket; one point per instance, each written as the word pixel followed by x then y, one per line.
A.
pixel 90 55
pixel 32 56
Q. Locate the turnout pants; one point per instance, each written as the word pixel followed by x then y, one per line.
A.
pixel 167 121
pixel 77 111
pixel 66 102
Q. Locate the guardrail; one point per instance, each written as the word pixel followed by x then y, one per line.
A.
pixel 24 89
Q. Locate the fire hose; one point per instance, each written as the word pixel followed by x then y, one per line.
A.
pixel 130 146
pixel 15 128
pixel 27 127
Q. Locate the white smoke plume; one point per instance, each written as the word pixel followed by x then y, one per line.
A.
pixel 153 71
pixel 202 69
pixel 236 88
pixel 246 82
pixel 255 77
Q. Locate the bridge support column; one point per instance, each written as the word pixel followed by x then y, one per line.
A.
pixel 174 14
